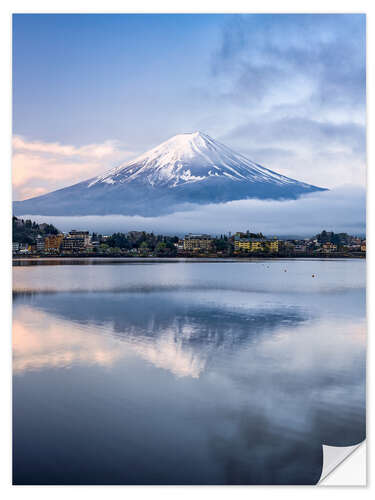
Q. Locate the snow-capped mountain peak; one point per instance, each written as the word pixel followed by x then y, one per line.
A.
pixel 187 169
pixel 189 158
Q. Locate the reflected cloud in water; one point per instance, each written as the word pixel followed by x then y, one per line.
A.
pixel 41 340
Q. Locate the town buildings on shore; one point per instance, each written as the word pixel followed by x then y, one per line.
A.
pixel 147 244
pixel 72 242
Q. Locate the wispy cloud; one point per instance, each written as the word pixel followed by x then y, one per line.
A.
pixel 40 167
pixel 56 149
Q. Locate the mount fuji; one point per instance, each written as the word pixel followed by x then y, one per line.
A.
pixel 186 169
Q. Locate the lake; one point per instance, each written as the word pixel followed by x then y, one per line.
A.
pixel 178 371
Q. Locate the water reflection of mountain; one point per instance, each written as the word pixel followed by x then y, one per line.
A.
pixel 173 331
pixel 263 387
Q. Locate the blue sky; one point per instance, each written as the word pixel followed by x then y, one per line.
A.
pixel 90 91
pixel 85 78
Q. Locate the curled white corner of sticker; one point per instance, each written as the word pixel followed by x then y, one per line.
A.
pixel 333 456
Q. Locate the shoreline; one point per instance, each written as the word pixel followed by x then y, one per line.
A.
pixel 207 258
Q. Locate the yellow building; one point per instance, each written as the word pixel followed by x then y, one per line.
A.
pixel 53 242
pixel 255 245
pixel 243 245
pixel 273 245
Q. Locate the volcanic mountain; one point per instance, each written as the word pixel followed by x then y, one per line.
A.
pixel 187 169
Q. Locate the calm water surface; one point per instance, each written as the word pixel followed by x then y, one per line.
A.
pixel 180 372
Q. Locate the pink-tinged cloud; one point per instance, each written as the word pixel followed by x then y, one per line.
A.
pixel 40 167
pixel 41 340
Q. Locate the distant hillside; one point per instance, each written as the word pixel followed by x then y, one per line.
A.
pixel 26 231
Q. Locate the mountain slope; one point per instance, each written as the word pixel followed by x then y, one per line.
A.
pixel 188 168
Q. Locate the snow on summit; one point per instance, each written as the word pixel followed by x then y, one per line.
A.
pixel 187 158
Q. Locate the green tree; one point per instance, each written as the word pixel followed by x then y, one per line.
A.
pixel 160 248
pixel 103 247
